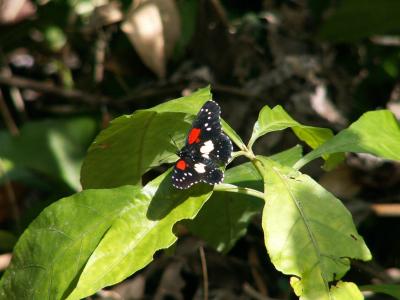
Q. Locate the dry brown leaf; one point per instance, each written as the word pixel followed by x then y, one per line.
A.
pixel 153 27
pixel 13 11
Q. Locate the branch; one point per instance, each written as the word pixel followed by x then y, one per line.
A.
pixel 225 187
pixel 45 87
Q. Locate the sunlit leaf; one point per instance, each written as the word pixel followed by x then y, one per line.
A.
pixel 142 228
pixel 133 144
pixel 275 119
pixel 97 238
pixel 52 251
pixel 300 217
pixel 225 217
pixel 376 132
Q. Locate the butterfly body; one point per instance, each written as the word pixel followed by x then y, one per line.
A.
pixel 206 149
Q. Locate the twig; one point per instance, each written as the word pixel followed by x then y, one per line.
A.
pixel 49 88
pixel 373 269
pixel 386 209
pixel 205 273
pixel 8 120
pixel 249 290
pixel 10 196
pixel 225 187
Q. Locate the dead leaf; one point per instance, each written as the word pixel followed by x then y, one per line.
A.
pixel 13 11
pixel 153 27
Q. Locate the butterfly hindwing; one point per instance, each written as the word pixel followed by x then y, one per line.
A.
pixel 188 172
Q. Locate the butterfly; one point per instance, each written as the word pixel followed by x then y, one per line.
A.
pixel 206 149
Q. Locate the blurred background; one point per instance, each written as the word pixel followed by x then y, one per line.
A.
pixel 68 67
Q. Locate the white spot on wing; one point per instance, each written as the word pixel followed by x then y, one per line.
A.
pixel 200 168
pixel 207 147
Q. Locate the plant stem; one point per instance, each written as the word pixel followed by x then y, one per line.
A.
pixel 225 187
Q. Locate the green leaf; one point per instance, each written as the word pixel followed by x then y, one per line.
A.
pixel 388 289
pixel 97 238
pixel 51 147
pixel 56 246
pixel 357 19
pixel 376 132
pixel 134 144
pixel 346 290
pixel 225 217
pixel 308 232
pixel 232 135
pixel 141 229
pixel 275 119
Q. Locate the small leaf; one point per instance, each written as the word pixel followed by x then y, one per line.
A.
pixel 301 217
pixel 275 119
pixel 142 228
pixel 51 147
pixel 388 289
pixel 346 290
pixel 232 135
pixel 376 132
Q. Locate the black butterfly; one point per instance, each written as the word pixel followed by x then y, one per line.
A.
pixel 206 149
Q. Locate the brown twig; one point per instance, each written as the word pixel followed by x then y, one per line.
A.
pixel 205 273
pixel 373 269
pixel 45 87
pixel 12 199
pixel 8 120
pixel 386 209
pixel 249 290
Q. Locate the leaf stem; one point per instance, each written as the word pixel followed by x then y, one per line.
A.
pixel 225 187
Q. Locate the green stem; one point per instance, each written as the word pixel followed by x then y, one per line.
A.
pixel 225 187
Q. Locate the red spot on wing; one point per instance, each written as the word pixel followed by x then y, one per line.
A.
pixel 194 135
pixel 181 165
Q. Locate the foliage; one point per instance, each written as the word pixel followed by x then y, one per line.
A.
pixel 100 236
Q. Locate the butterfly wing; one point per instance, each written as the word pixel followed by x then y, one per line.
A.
pixel 206 125
pixel 206 148
pixel 188 171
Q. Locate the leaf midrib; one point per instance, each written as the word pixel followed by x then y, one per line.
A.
pixel 307 225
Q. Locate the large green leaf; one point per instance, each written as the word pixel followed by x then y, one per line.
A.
pixel 308 232
pixel 275 119
pixel 134 144
pixel 225 217
pixel 52 147
pixel 376 132
pixel 141 229
pixel 52 251
pixel 97 238
pixel 357 19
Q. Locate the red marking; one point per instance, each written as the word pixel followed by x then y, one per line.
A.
pixel 194 135
pixel 181 165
